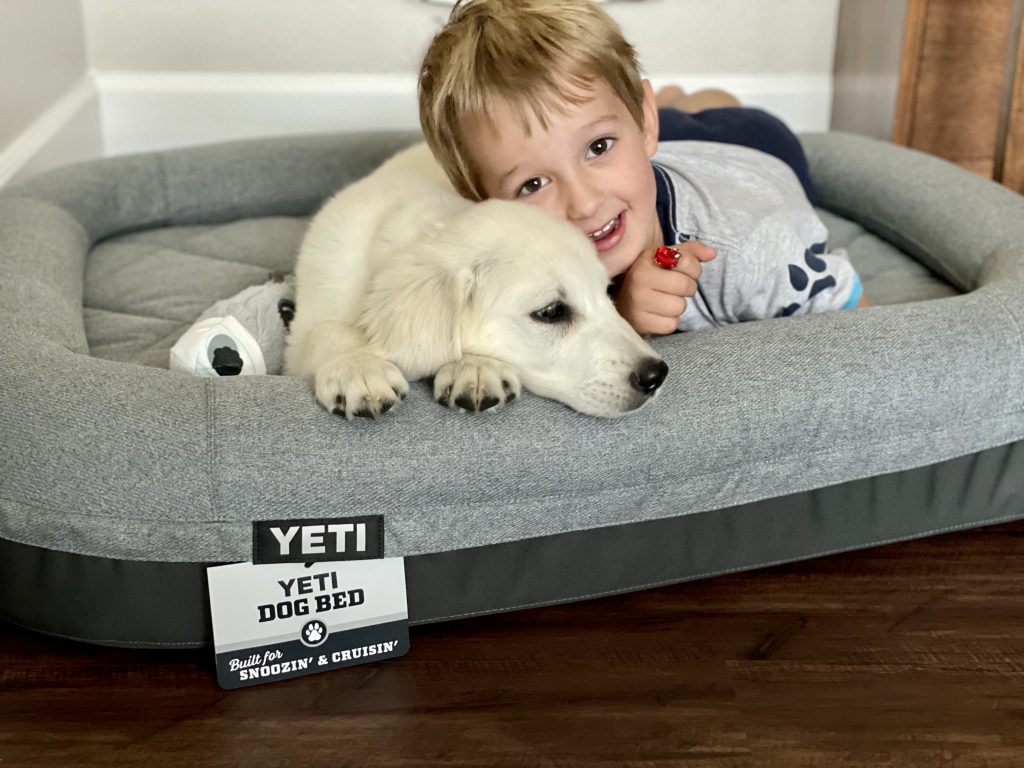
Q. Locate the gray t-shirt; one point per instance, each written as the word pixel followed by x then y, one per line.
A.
pixel 772 256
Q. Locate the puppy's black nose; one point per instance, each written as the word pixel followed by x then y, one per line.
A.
pixel 648 375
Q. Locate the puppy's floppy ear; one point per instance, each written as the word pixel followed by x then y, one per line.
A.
pixel 413 308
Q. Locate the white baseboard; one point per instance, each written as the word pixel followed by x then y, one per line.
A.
pixel 151 111
pixel 69 131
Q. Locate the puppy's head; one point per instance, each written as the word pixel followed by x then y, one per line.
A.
pixel 540 302
pixel 510 281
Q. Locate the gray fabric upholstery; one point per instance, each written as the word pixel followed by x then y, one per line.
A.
pixel 104 453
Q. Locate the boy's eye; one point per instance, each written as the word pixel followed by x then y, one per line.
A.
pixel 533 185
pixel 599 147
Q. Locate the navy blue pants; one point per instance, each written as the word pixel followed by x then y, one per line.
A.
pixel 739 125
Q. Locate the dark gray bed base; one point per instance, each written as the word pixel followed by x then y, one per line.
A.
pixel 163 605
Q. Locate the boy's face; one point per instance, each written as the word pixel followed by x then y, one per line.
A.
pixel 591 166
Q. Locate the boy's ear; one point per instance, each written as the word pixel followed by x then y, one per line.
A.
pixel 650 113
pixel 413 308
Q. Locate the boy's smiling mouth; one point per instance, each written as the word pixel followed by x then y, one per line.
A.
pixel 608 236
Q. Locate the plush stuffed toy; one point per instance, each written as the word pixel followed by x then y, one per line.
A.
pixel 239 336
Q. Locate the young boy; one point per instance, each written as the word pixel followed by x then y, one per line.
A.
pixel 542 101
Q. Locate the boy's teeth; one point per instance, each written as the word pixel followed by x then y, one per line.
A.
pixel 604 230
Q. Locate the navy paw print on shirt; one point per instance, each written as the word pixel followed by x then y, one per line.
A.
pixel 800 279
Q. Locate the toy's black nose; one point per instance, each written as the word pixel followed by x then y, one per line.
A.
pixel 648 375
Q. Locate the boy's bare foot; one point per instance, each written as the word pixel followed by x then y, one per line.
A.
pixel 710 98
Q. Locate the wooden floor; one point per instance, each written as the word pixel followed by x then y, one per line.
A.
pixel 907 655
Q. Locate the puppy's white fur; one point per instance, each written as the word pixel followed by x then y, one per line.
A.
pixel 399 278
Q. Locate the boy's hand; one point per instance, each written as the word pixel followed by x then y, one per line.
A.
pixel 652 298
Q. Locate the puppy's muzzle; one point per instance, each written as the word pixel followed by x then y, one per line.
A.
pixel 648 375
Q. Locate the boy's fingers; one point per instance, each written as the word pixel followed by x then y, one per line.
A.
pixel 649 323
pixel 697 249
pixel 690 266
pixel 674 283
pixel 663 305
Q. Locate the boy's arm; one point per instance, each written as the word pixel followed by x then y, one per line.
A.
pixel 779 276
pixel 652 298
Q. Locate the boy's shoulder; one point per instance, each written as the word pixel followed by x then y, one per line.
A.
pixel 726 193
pixel 714 160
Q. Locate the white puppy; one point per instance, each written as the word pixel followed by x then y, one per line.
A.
pixel 399 278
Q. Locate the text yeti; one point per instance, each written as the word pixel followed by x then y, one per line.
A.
pixel 314 539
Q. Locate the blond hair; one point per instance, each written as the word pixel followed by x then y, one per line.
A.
pixel 536 55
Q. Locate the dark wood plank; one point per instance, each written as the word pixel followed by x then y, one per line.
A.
pixel 1012 169
pixel 953 82
pixel 915 21
pixel 908 655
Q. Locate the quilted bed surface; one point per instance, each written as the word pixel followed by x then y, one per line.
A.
pixel 107 453
pixel 142 290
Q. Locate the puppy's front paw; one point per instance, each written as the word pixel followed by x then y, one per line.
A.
pixel 476 383
pixel 360 384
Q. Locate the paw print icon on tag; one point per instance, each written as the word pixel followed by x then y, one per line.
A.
pixel 313 633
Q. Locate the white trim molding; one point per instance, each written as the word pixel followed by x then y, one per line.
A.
pixel 69 131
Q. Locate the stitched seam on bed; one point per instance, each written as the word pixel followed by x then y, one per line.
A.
pixel 161 164
pixel 737 569
pixel 211 443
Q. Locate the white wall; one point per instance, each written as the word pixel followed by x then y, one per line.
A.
pixel 42 55
pixel 48 108
pixel 182 72
pixel 738 37
pixel 178 72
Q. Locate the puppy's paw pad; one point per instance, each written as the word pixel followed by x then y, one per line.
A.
pixel 467 402
pixel 360 384
pixel 476 383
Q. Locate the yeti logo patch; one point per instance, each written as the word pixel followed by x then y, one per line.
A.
pixel 318 540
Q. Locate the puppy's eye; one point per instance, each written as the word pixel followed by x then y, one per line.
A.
pixel 555 312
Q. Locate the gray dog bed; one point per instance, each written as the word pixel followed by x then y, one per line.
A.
pixel 771 441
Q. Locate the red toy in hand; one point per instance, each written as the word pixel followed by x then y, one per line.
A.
pixel 666 257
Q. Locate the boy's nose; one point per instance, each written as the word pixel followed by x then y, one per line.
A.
pixel 583 200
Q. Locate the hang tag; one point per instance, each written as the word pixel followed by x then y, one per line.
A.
pixel 274 622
